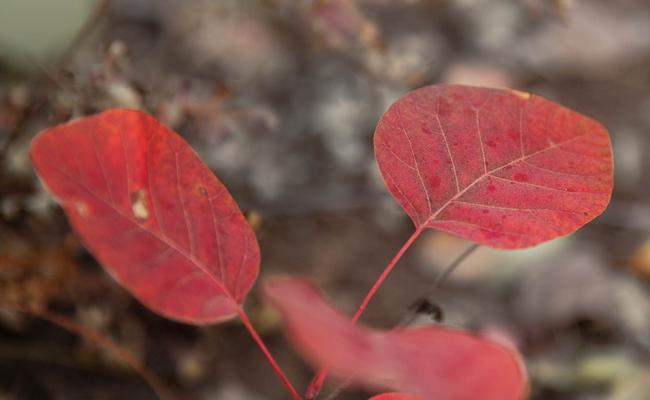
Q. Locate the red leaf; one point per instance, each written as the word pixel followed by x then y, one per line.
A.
pixel 151 212
pixel 499 167
pixel 394 396
pixel 430 362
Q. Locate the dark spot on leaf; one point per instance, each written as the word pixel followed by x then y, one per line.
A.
pixel 486 211
pixel 491 188
pixel 425 128
pixel 488 233
pixel 202 191
pixel 435 181
pixel 520 177
pixel 491 143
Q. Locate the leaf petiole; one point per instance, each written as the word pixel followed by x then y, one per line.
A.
pixel 319 379
pixel 440 279
pixel 260 343
pixel 317 383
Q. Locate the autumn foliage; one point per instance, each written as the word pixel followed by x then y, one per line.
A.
pixel 152 213
pixel 502 168
pixel 498 167
pixel 432 362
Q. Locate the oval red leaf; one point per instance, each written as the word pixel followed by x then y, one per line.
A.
pixel 151 212
pixel 502 168
pixel 431 362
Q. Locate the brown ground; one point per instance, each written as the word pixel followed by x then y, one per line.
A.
pixel 280 97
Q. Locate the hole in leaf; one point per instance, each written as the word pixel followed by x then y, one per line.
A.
pixel 139 205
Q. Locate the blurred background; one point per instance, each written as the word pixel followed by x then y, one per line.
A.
pixel 280 98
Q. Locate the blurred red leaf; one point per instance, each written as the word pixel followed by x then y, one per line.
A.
pixel 394 396
pixel 151 212
pixel 500 167
pixel 430 362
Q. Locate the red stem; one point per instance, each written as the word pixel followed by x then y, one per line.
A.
pixel 267 354
pixel 317 383
pixel 102 341
pixel 385 273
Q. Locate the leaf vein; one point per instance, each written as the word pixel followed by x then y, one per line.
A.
pixel 540 186
pixel 415 160
pixel 215 225
pixel 154 207
pixel 455 221
pixel 561 173
pixel 459 194
pixel 181 198
pixel 512 208
pixel 444 138
pixel 127 168
pixel 241 267
pixel 398 157
pixel 102 167
pixel 477 111
pixel 415 212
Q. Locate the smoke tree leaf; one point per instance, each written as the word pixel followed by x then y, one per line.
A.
pixel 499 167
pixel 394 396
pixel 431 362
pixel 151 212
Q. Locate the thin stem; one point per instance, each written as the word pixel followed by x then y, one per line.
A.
pixel 385 273
pixel 317 383
pixel 440 279
pixel 451 268
pixel 102 341
pixel 267 354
